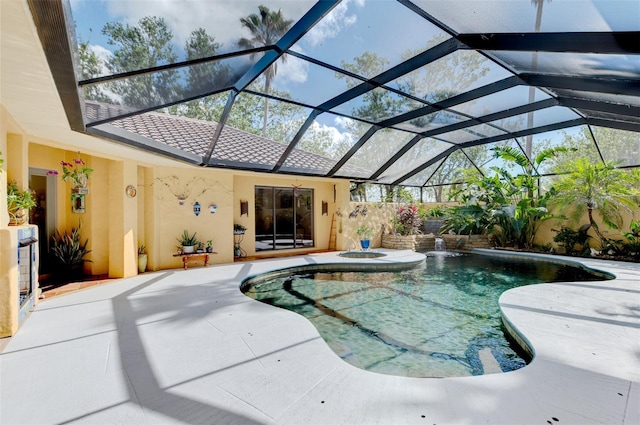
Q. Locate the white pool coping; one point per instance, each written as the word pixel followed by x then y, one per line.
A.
pixel 182 346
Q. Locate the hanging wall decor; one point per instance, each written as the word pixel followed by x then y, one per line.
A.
pixel 196 208
pixel 325 208
pixel 213 208
pixel 131 191
pixel 76 172
pixel 244 208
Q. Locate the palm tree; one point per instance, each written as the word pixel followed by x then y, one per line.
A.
pixel 599 188
pixel 266 29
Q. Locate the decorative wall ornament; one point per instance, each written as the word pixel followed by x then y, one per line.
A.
pixel 193 188
pixel 196 208
pixel 325 208
pixel 244 208
pixel 131 191
pixel 358 210
pixel 213 208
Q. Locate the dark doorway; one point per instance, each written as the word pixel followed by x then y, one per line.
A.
pixel 43 215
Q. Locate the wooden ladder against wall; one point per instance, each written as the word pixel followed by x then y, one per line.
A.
pixel 333 234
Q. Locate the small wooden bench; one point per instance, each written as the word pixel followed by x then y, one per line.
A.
pixel 194 257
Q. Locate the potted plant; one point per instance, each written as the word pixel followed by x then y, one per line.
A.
pixel 239 229
pixel 188 242
pixel 200 248
pixel 69 251
pixel 364 233
pixel 209 248
pixel 142 259
pixel 19 202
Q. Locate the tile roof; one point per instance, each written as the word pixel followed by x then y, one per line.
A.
pixel 234 147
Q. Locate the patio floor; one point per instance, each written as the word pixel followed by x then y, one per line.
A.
pixel 179 346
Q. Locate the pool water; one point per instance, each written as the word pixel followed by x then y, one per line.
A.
pixel 440 319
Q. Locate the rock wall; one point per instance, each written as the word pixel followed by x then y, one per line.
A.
pixel 427 242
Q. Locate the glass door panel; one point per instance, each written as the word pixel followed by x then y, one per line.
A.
pixel 264 218
pixel 285 222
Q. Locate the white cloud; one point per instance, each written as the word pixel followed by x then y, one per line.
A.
pixel 103 54
pixel 333 23
pixel 294 70
pixel 342 122
pixel 336 136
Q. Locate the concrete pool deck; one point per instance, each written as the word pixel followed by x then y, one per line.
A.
pixel 179 346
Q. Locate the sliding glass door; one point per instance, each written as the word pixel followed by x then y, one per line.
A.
pixel 284 218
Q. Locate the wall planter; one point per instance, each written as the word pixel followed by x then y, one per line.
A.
pixel 432 226
pixel 80 190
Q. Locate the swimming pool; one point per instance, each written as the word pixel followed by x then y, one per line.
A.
pixel 437 320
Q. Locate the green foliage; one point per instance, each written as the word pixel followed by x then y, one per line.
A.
pixel 364 232
pixel 631 246
pixel 398 194
pixel 142 249
pixel 67 249
pixel 18 201
pixel 472 219
pixel 597 188
pixel 147 44
pixel 187 240
pixel 77 172
pixel 239 228
pixel 206 76
pixel 507 205
pixel 436 212
pixel 569 239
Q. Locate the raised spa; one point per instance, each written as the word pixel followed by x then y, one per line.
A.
pixel 362 254
pixel 436 320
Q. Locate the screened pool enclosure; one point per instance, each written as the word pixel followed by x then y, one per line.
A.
pixel 391 92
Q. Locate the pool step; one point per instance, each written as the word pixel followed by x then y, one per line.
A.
pixel 489 363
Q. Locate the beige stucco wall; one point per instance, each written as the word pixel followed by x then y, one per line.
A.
pixel 546 232
pixel 166 219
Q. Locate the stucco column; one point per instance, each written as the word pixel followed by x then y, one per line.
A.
pixel 123 220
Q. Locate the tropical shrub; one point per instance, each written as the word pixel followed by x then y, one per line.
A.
pixel 597 189
pixel 406 221
pixel 472 219
pixel 513 209
pixel 631 246
pixel 569 239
